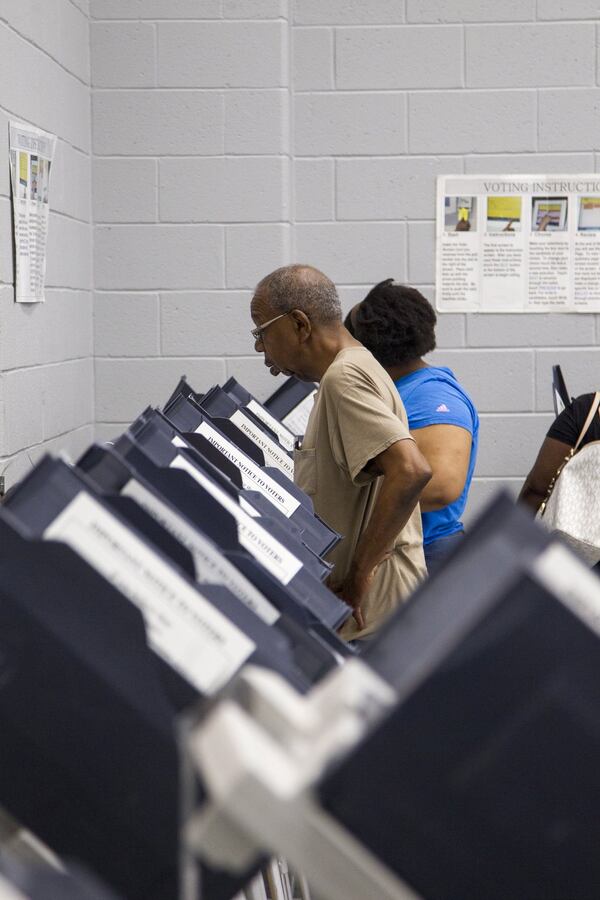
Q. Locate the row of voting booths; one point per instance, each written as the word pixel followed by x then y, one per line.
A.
pixel 179 719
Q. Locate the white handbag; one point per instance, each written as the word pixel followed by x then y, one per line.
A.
pixel 572 506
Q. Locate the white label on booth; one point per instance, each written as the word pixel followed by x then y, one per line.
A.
pixel 210 565
pixel 284 435
pixel 182 626
pixel 256 539
pixel 253 477
pixel 274 455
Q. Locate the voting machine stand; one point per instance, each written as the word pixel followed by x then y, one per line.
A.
pixel 311 648
pixel 98 573
pixel 88 758
pixel 457 758
pixel 258 468
pixel 267 538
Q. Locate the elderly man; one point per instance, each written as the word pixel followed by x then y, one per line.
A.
pixel 358 461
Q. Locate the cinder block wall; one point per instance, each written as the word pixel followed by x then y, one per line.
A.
pixel 231 136
pixel 191 191
pixel 386 96
pixel 46 350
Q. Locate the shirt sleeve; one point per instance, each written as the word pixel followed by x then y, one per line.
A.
pixel 568 424
pixel 365 425
pixel 439 403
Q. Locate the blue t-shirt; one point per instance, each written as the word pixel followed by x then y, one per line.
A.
pixel 433 396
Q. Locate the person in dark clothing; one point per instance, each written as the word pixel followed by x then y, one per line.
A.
pixel 560 439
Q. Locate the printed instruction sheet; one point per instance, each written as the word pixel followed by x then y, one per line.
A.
pixel 31 155
pixel 518 243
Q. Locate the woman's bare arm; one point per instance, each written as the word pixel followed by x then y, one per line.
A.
pixel 447 449
pixel 552 454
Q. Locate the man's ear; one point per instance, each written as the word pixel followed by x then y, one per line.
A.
pixel 302 324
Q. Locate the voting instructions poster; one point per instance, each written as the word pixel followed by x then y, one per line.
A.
pixel 518 243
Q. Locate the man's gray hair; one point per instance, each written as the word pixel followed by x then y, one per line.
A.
pixel 302 287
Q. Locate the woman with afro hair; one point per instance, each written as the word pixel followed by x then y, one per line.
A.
pixel 397 324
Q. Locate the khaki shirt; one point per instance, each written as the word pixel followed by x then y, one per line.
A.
pixel 356 416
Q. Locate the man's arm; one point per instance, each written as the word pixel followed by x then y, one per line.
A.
pixel 405 473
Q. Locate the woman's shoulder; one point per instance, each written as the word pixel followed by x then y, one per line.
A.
pixel 568 424
pixel 435 380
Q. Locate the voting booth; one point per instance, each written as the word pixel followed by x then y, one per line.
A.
pixel 180 717
pixel 134 586
pixel 456 758
pixel 39 881
pixel 292 403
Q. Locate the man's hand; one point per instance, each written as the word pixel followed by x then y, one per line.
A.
pixel 405 473
pixel 352 591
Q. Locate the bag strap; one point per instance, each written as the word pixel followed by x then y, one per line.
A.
pixel 588 421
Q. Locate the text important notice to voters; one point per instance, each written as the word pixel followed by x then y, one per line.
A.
pixel 518 243
pixel 31 154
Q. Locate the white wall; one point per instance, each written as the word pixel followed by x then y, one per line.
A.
pixel 46 350
pixel 232 136
pixel 191 191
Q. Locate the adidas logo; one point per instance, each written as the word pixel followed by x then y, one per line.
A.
pixel 442 408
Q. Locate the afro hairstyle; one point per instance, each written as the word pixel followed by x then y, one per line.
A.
pixel 395 322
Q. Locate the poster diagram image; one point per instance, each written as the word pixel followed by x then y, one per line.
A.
pixel 23 176
pixel 503 214
pixel 39 179
pixel 34 177
pixel 43 180
pixel 549 213
pixel 460 214
pixel 589 214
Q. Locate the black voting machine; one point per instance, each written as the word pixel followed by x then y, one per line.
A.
pixel 224 607
pixel 477 777
pixel 491 756
pixel 138 583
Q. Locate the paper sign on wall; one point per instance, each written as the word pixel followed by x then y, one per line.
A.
pixel 31 155
pixel 518 243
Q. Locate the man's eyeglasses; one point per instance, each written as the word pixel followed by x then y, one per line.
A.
pixel 257 332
